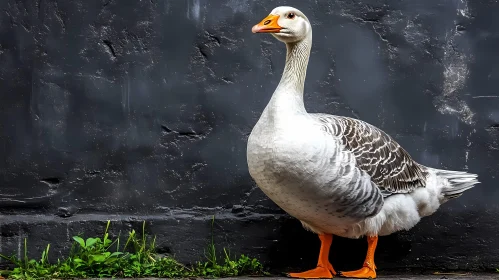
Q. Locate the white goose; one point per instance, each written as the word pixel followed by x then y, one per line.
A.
pixel 337 175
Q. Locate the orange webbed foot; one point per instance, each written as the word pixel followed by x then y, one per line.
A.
pixel 368 271
pixel 324 269
pixel 363 273
pixel 316 273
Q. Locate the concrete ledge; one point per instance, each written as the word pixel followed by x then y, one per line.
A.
pixel 276 239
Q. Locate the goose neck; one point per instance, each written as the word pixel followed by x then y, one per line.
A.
pixel 292 83
pixel 295 69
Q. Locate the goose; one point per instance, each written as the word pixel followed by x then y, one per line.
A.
pixel 337 175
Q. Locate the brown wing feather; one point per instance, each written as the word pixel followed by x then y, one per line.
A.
pixel 388 164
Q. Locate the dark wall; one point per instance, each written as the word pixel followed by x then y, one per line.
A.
pixel 140 110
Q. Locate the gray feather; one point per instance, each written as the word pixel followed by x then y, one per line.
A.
pixel 391 168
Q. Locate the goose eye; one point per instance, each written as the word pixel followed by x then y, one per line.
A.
pixel 291 16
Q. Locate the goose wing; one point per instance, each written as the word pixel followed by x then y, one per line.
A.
pixel 391 168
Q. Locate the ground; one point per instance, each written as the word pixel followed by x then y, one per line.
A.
pixel 474 276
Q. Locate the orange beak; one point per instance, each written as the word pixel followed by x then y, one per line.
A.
pixel 267 25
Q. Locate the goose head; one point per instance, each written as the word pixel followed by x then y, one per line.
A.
pixel 287 24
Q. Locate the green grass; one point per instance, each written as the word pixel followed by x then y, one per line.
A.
pixel 101 257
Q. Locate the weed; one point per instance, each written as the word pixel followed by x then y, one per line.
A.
pixel 103 257
pixel 230 266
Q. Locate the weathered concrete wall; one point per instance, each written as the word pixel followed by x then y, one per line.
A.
pixel 140 110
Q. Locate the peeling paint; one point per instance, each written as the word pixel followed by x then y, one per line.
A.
pixel 455 74
pixel 462 8
pixel 193 9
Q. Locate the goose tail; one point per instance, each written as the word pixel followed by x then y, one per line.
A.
pixel 458 182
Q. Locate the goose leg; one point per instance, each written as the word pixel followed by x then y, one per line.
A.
pixel 369 268
pixel 324 268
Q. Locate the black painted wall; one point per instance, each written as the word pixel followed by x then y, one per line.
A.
pixel 140 110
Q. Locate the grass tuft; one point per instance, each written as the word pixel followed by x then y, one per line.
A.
pixel 102 257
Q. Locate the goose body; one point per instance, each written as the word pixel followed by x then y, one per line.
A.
pixel 309 173
pixel 337 175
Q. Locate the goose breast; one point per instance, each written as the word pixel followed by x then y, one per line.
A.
pixel 307 173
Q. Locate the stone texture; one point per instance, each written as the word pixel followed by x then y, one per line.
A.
pixel 141 111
